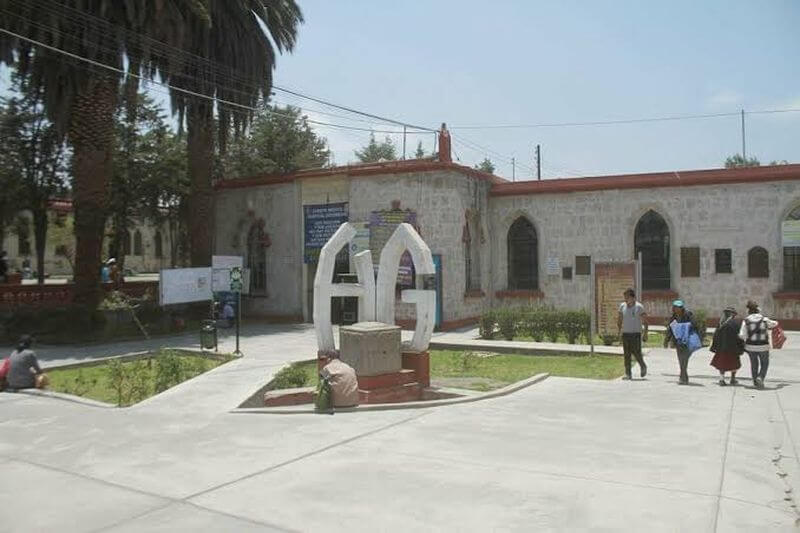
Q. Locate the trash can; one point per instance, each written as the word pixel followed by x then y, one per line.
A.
pixel 208 335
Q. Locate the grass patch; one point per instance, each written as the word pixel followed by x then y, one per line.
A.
pixel 303 374
pixel 507 369
pixel 125 383
pixel 500 370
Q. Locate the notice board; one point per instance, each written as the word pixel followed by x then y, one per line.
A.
pixel 184 285
pixel 382 225
pixel 611 281
pixel 320 223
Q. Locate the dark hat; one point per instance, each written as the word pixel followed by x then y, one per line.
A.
pixel 730 309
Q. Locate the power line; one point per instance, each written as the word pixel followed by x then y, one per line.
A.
pixel 194 60
pixel 622 121
pixel 186 91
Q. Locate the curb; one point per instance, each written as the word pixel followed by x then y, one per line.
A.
pixel 65 397
pixel 505 391
pixel 534 349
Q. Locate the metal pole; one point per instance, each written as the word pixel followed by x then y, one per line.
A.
pixel 538 162
pixel 404 142
pixel 238 320
pixel 592 307
pixel 513 169
pixel 744 154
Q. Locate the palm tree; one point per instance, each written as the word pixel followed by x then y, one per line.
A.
pixel 230 61
pixel 80 99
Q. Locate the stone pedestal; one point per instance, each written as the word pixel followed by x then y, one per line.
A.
pixel 371 348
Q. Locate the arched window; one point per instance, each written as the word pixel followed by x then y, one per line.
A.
pixel 651 238
pixel 137 243
pixel 523 256
pixel 472 252
pixel 757 262
pixel 257 242
pixel 158 245
pixel 791 254
pixel 126 243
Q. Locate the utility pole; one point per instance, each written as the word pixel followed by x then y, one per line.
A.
pixel 538 162
pixel 513 169
pixel 404 142
pixel 744 155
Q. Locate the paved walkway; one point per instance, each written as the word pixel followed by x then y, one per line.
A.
pixel 563 455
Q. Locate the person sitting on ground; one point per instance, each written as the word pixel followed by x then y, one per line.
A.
pixel 343 381
pixel 727 347
pixel 24 371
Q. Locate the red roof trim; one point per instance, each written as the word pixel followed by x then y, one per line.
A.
pixel 646 181
pixel 367 169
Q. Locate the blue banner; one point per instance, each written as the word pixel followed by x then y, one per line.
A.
pixel 321 222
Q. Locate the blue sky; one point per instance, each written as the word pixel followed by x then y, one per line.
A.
pixel 479 63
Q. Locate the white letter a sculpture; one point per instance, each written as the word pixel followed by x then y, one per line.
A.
pixel 370 304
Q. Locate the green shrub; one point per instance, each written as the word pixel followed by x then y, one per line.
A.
pixel 575 324
pixel 533 322
pixel 487 324
pixel 169 371
pixel 552 325
pixel 507 323
pixel 609 339
pixel 700 317
pixel 70 323
pixel 291 377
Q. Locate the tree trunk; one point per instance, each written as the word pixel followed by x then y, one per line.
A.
pixel 91 134
pixel 40 239
pixel 200 150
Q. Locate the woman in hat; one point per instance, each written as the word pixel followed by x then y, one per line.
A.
pixel 727 346
pixel 681 315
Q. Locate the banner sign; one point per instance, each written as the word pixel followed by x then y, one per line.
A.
pixel 320 223
pixel 790 232
pixel 382 225
pixel 611 281
pixel 184 285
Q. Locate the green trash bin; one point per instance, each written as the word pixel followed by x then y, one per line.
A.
pixel 208 335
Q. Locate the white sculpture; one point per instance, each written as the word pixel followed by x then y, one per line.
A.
pixel 325 289
pixel 404 238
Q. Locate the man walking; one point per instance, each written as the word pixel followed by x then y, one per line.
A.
pixel 630 320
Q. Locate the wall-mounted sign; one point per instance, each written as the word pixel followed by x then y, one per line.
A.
pixel 553 266
pixel 320 223
pixel 382 225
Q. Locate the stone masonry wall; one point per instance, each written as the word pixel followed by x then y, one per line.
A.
pixel 602 224
pixel 279 206
pixel 440 200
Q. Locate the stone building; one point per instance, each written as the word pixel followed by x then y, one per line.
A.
pixel 147 248
pixel 712 237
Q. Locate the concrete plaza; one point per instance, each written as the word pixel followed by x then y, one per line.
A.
pixel 562 455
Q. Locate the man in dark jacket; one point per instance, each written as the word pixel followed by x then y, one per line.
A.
pixel 680 314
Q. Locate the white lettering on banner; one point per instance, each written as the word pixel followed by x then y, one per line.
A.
pixel 371 304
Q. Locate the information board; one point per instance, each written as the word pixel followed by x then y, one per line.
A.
pixel 381 227
pixel 184 285
pixel 611 281
pixel 320 223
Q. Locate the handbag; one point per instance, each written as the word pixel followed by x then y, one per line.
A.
pixel 778 337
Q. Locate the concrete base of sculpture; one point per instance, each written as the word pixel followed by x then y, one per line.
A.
pixel 371 348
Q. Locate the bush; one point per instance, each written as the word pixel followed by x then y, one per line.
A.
pixel 575 324
pixel 487 324
pixel 609 339
pixel 533 323
pixel 507 323
pixel 700 317
pixel 291 377
pixel 71 323
pixel 552 325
